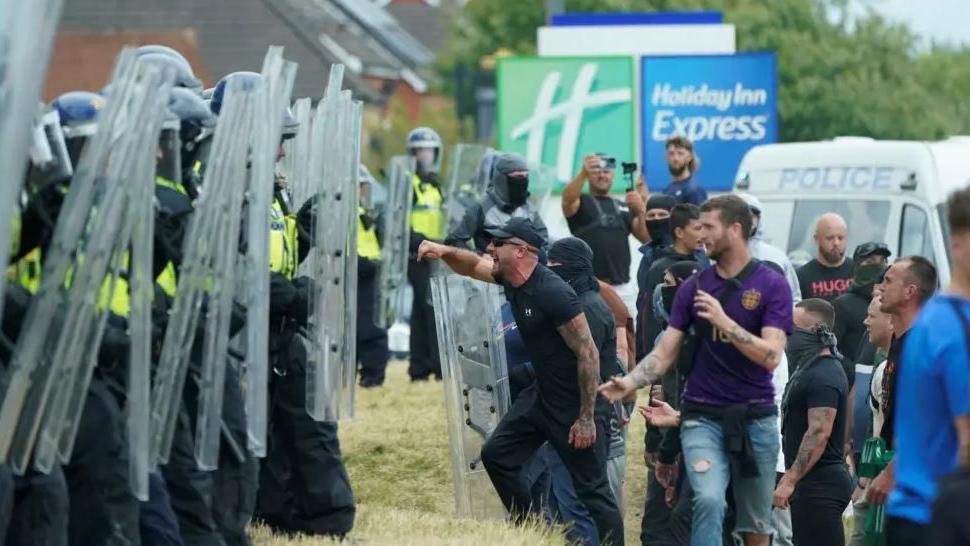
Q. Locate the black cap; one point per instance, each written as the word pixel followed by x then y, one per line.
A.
pixel 865 250
pixel 660 201
pixel 520 228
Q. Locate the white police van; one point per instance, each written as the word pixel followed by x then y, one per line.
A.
pixel 889 191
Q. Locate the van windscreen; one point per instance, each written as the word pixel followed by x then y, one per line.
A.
pixel 866 220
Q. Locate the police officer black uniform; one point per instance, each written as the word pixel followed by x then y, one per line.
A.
pixel 372 349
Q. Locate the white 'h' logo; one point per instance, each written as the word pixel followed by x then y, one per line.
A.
pixel 571 111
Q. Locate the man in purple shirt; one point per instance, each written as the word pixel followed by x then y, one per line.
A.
pixel 736 317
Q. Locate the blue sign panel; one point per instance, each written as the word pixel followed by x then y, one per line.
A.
pixel 725 104
pixel 574 19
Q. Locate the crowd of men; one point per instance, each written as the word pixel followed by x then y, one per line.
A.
pixel 783 401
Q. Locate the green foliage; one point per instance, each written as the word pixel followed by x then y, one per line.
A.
pixel 838 75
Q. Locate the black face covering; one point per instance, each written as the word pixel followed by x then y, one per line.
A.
pixel 659 230
pixel 575 264
pixel 804 345
pixel 667 294
pixel 518 190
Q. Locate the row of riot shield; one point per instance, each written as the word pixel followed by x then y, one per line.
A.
pixel 473 364
pixel 333 172
pixel 27 31
pixel 101 246
pixel 396 232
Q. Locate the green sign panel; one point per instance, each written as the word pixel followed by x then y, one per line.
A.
pixel 555 110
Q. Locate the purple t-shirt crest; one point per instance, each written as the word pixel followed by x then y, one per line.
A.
pixel 722 375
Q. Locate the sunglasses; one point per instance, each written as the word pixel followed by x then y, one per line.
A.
pixel 498 243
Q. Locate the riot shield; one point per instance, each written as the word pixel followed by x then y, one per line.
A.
pixel 56 353
pixel 272 102
pixel 114 261
pixel 397 232
pixel 298 153
pixel 206 277
pixel 334 167
pixel 472 347
pixel 465 185
pixel 27 32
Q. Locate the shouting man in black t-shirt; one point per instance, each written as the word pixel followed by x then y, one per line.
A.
pixel 605 223
pixel 562 407
pixel 816 482
pixel 830 274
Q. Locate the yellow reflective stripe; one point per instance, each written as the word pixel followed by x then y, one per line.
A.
pixel 283 251
pixel 26 271
pixel 167 279
pixel 166 183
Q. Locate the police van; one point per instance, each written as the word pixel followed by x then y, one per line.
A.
pixel 889 191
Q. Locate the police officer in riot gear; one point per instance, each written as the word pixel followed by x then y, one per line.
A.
pixel 372 349
pixel 303 486
pixel 506 198
pixel 427 223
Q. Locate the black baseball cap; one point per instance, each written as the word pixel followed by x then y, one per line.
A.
pixel 865 250
pixel 519 228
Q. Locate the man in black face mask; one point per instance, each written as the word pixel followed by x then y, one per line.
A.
pixel 850 308
pixel 506 198
pixel 814 410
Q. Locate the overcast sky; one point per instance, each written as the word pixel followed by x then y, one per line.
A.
pixel 939 20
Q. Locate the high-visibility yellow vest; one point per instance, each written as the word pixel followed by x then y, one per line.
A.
pixel 367 244
pixel 427 217
pixel 283 255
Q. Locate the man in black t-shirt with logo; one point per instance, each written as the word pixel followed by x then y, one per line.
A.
pixel 606 223
pixel 816 482
pixel 562 407
pixel 829 275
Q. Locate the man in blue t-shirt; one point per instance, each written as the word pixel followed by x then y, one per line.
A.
pixel 932 429
pixel 741 313
pixel 683 163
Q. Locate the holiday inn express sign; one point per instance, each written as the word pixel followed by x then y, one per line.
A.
pixel 555 110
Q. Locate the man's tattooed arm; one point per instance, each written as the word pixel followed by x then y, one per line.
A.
pixel 577 336
pixel 765 351
pixel 820 421
pixel 654 365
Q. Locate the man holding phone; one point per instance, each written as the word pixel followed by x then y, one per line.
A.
pixel 605 223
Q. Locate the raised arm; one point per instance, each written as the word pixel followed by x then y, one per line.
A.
pixel 820 421
pixel 577 336
pixel 460 260
pixel 649 370
pixel 573 191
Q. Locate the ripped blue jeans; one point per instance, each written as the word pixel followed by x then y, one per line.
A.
pixel 710 470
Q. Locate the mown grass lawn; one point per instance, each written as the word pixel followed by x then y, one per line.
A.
pixel 396 451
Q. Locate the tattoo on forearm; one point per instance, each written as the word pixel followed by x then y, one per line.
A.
pixel 646 371
pixel 577 336
pixel 771 357
pixel 813 442
pixel 739 335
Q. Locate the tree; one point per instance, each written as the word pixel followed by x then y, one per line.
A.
pixel 838 74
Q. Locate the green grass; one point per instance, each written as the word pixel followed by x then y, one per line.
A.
pixel 396 451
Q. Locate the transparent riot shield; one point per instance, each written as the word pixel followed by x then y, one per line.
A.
pixel 464 186
pixel 205 280
pixel 61 335
pixel 471 343
pixel 334 165
pixel 542 181
pixel 298 153
pixel 119 246
pixel 272 102
pixel 397 232
pixel 27 32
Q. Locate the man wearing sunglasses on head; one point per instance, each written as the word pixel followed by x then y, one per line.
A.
pixel 562 406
